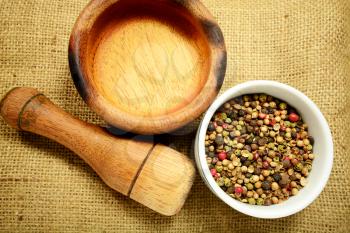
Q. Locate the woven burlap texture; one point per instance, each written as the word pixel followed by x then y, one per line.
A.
pixel 46 188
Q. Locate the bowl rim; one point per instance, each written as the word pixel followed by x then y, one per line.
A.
pixel 246 208
pixel 140 124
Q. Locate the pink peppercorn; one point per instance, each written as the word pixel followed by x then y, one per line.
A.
pixel 272 121
pixel 256 156
pixel 213 172
pixel 222 155
pixel 225 126
pixel 294 161
pixel 262 115
pixel 238 190
pixel 293 117
pixel 266 164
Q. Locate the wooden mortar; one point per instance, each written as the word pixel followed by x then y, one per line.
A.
pixel 147 66
pixel 153 175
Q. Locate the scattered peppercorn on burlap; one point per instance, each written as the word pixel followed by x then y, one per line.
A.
pixel 46 188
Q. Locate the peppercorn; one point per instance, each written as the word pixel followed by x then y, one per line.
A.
pixel 249 186
pixel 286 163
pixel 294 191
pixel 254 147
pixel 282 106
pixel 274 200
pixel 312 140
pixel 276 177
pixel 267 202
pixel 259 201
pixel 262 144
pixel 303 181
pixel 298 167
pixel 219 140
pixel 258 184
pixel 293 117
pixel 251 201
pixel 266 185
pixel 222 155
pixel 262 141
pixel 211 127
pixel 238 190
pixel 257 171
pixel 220 181
pixel 284 180
pixel 274 186
pixel 262 98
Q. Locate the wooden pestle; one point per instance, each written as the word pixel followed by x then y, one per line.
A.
pixel 153 175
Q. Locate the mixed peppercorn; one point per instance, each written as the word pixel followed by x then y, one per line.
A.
pixel 258 149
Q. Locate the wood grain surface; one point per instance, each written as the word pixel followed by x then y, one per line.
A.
pixel 156 176
pixel 147 66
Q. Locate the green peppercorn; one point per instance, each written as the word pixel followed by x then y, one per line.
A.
pixel 298 167
pixel 219 140
pixel 262 98
pixel 220 181
pixel 251 201
pixel 227 182
pixel 282 106
pixel 250 186
pixel 265 153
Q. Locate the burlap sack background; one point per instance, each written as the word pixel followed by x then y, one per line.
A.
pixel 44 187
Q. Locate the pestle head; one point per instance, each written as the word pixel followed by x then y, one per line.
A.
pixel 164 181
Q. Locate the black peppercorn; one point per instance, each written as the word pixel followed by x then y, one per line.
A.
pixel 249 141
pixel 247 163
pixel 233 115
pixel 277 177
pixel 266 185
pixel 248 148
pixel 219 140
pixel 239 100
pixel 219 122
pixel 257 171
pixel 241 112
pixel 250 129
pixel 243 159
pixel 264 110
pixel 311 139
pixel 211 127
pixel 270 110
pixel 262 141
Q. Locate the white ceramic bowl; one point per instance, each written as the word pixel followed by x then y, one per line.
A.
pixel 318 128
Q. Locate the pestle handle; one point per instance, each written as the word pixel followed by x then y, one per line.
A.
pixel 126 165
